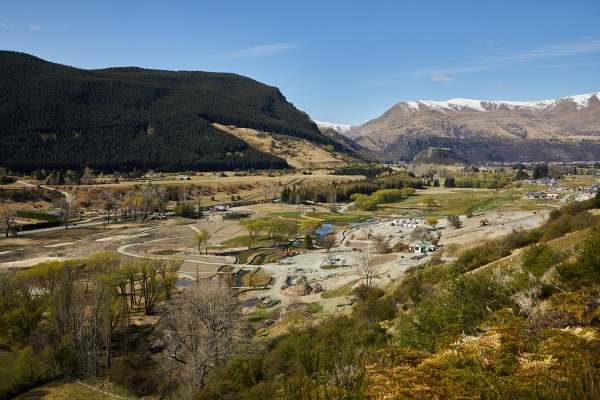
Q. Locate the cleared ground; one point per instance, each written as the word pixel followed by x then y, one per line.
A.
pixel 331 275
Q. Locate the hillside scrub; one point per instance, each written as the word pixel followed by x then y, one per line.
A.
pixel 468 336
pixel 490 333
pixel 369 203
pixel 483 180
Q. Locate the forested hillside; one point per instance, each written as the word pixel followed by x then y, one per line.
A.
pixel 55 116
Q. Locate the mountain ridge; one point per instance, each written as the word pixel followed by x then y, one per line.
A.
pixel 339 128
pixel 549 130
pixel 580 101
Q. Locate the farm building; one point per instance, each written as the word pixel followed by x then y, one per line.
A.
pixel 420 246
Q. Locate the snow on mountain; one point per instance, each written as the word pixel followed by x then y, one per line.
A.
pixel 581 101
pixel 554 130
pixel 339 128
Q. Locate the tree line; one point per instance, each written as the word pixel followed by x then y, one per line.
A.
pixel 341 191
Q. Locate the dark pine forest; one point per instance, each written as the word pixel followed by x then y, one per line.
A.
pixel 58 117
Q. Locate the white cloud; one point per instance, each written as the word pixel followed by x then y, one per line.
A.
pixel 2 24
pixel 263 51
pixel 496 59
pixel 442 79
pixel 499 58
pixel 36 28
pixel 581 46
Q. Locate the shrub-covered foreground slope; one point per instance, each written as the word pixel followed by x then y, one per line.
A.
pixel 55 116
pixel 517 317
pixel 486 326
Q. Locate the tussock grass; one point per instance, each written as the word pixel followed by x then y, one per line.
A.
pixel 258 277
pixel 63 389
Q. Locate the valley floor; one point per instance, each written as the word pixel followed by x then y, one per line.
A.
pixel 176 238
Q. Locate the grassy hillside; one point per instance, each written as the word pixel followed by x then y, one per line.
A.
pixel 55 116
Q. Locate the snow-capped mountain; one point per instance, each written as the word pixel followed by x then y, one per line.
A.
pixel 339 128
pixel 574 102
pixel 479 130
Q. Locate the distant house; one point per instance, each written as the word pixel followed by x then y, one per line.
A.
pixel 405 223
pixel 586 194
pixel 535 195
pixel 419 246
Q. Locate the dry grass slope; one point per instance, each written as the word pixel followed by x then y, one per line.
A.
pixel 298 153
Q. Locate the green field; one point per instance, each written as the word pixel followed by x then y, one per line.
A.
pixel 289 214
pixel 260 315
pixel 242 241
pixel 338 219
pixel 465 201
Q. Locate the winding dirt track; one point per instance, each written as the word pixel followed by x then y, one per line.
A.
pixel 151 241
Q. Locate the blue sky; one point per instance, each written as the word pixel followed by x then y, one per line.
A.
pixel 340 61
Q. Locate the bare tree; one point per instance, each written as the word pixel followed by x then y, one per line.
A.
pixel 329 241
pixel 66 208
pixel 270 192
pixel 150 282
pixel 111 205
pixel 8 220
pixel 93 320
pixel 200 331
pixel 332 197
pixel 83 299
pixel 381 244
pixel 146 194
pixel 454 221
pixel 421 232
pixel 161 198
pixel 184 193
pixel 368 266
pixel 197 194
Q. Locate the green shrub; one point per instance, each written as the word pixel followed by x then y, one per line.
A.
pixel 185 209
pixel 539 259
